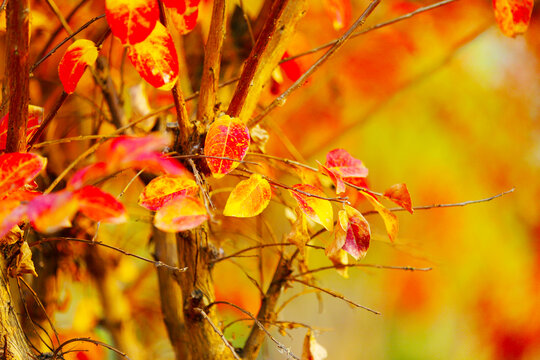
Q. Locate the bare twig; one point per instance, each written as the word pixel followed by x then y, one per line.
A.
pixel 48 119
pixel 335 294
pixel 259 325
pixel 207 318
pixel 438 206
pixel 280 100
pixel 157 264
pixel 390 267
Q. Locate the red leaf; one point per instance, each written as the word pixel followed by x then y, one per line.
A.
pixel 164 189
pixel 155 58
pixel 291 68
pixel 340 161
pixel 249 197
pixel 399 194
pixel 358 233
pixel 35 117
pixel 84 175
pixel 513 16
pixel 185 21
pixel 178 5
pixel 99 205
pixel 17 169
pixel 181 214
pixel 131 21
pixel 315 208
pixel 78 56
pixel 51 212
pixel 227 137
pixel 334 176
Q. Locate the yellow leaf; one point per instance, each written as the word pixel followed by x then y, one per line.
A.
pixel 249 198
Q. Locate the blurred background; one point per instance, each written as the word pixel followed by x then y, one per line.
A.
pixel 443 102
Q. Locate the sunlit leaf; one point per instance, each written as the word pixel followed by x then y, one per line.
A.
pixel 249 198
pixel 78 56
pixel 228 137
pixel 51 212
pixel 155 58
pixel 91 172
pixel 184 15
pixel 165 188
pixel 389 218
pixel 132 21
pixel 99 205
pixel 312 350
pixel 340 12
pixel 336 178
pixel 315 208
pixel 513 16
pixel 181 214
pixel 344 164
pixel 399 194
pixel 17 169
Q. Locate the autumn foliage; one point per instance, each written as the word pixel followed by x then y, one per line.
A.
pixel 193 182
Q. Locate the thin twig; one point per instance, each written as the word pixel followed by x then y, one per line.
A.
pixel 437 206
pixel 334 294
pixel 391 267
pixel 280 100
pixel 220 334
pixel 260 246
pixel 48 119
pixel 87 339
pixel 90 22
pixel 259 324
pixel 157 264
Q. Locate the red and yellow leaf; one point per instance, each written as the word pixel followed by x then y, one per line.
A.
pixel 249 198
pixel 99 205
pixel 11 213
pixel 155 58
pixel 132 21
pixel 78 56
pixel 513 16
pixel 51 212
pixel 228 137
pixel 340 161
pixel 399 194
pixel 17 169
pixel 164 189
pixel 315 208
pixel 358 233
pixel 181 214
pixel 183 15
pixel 389 218
pixel 334 176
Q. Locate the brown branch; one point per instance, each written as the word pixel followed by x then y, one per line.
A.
pixel 220 334
pixel 87 339
pixel 212 63
pixel 390 267
pixel 265 55
pixel 335 294
pixel 48 119
pixel 17 45
pixel 280 100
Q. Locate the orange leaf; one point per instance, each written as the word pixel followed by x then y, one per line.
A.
pixel 17 169
pixel 227 137
pixel 513 16
pixel 181 214
pixel 51 212
pixel 131 20
pixel 184 16
pixel 100 206
pixel 399 194
pixel 164 189
pixel 155 58
pixel 389 218
pixel 315 208
pixel 249 198
pixel 78 56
